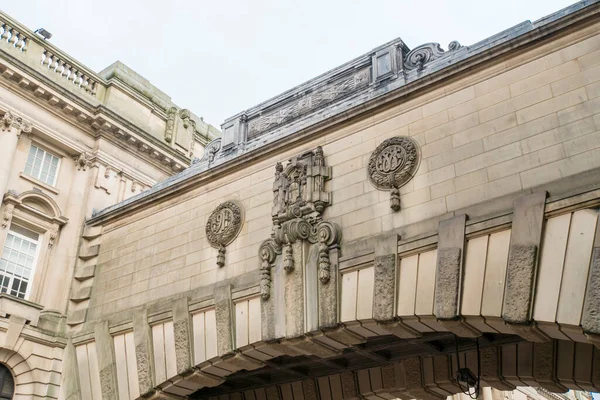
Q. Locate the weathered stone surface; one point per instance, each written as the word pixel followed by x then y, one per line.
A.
pixel 519 283
pixel 384 287
pixel 106 361
pixel 544 355
pixel 349 387
pixel 107 383
pixel 590 320
pixel 388 377
pixel 294 293
pixel 309 388
pixel 525 240
pixel 447 282
pixel 143 355
pixel 272 393
pixel 182 352
pixel 181 329
pixel 329 293
pixel 224 317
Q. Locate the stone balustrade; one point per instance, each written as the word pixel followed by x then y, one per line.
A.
pixel 13 37
pixel 36 51
pixel 72 73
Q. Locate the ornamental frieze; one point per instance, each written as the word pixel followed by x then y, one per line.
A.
pixel 393 163
pixel 223 226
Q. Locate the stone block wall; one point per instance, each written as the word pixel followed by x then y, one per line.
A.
pixel 519 122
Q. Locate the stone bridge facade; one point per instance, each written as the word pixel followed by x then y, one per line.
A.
pixel 365 235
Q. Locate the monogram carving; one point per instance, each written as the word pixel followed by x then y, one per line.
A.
pixel 393 163
pixel 223 226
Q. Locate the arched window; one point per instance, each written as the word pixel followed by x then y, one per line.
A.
pixel 7 384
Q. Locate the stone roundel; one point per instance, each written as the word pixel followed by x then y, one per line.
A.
pixel 224 224
pixel 393 163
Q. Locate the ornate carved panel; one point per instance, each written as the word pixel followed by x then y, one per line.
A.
pixel 223 226
pixel 308 103
pixel 299 199
pixel 393 163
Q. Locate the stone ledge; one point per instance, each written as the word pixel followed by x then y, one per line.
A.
pixel 10 305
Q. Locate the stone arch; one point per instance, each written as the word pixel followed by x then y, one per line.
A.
pixel 41 202
pixel 23 374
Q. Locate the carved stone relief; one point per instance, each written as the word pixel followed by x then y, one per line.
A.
pixel 171 114
pixel 210 151
pixel 84 161
pixel 426 53
pixel 12 121
pixel 223 226
pixel 299 199
pixel 308 103
pixel 393 163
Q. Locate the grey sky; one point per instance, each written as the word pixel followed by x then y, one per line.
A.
pixel 220 57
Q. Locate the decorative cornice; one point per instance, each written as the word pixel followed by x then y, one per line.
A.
pixel 300 130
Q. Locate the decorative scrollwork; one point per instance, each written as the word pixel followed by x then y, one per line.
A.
pixel 267 253
pixel 12 121
pixel 325 234
pixel 210 152
pixel 223 226
pixel 171 114
pixel 393 163
pixel 426 53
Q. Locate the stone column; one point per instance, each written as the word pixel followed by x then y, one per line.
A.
pixel 11 127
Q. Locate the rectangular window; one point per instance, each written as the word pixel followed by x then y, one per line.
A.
pixel 42 165
pixel 18 261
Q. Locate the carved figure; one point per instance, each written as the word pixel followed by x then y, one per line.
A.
pixel 299 199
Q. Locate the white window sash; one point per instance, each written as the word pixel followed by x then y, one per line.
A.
pixel 33 263
pixel 46 157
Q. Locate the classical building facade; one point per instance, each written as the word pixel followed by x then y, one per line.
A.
pixel 72 141
pixel 416 223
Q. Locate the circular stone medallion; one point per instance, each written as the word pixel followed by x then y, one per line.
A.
pixel 224 224
pixel 393 163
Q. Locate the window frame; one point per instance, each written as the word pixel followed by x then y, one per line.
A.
pixel 46 153
pixel 35 257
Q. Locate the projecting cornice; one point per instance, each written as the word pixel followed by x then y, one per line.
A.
pixel 376 80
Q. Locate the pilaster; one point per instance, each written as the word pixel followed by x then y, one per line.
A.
pixel 11 127
pixel 224 317
pixel 448 277
pixel 521 270
pixel 106 361
pixel 142 337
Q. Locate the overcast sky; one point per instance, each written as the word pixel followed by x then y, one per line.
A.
pixel 220 57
